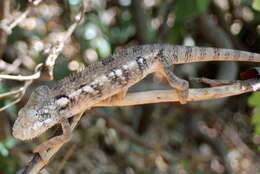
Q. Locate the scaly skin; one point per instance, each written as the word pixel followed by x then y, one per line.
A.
pixel 74 94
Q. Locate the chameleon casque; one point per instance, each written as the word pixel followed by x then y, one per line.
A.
pixel 111 76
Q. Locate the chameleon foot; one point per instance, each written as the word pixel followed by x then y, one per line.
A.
pixel 44 158
pixel 58 140
pixel 179 84
pixel 183 95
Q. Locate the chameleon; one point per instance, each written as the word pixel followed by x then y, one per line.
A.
pixel 110 77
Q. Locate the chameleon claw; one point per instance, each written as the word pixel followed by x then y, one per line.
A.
pixel 44 157
pixel 183 96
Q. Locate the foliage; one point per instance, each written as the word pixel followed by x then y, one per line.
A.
pixel 256 5
pixel 192 10
pixel 254 100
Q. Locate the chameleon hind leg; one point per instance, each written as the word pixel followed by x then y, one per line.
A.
pixel 179 84
pixel 55 141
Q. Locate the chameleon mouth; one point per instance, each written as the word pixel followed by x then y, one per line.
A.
pixel 27 126
pixel 26 130
pixel 22 130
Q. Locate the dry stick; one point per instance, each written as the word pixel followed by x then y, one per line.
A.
pixel 20 92
pixel 56 50
pixel 21 77
pixel 12 67
pixel 19 97
pixel 9 27
pixel 11 93
pixel 212 82
pixel 156 96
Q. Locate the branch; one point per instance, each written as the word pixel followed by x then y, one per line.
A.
pixel 56 49
pixel 8 26
pixel 19 94
pixel 158 96
pixel 21 77
pixel 155 96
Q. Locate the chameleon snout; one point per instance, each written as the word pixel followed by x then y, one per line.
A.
pixel 25 127
pixel 30 124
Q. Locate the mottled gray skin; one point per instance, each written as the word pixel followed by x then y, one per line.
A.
pixel 97 82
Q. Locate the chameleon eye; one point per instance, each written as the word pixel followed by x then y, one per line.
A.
pixel 32 113
pixel 44 116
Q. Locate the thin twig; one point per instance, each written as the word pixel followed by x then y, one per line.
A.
pixel 11 93
pixel 12 67
pixel 20 92
pixel 21 77
pixel 212 82
pixel 56 49
pixel 20 96
pixel 9 27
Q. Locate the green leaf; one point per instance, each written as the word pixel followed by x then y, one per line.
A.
pixel 11 109
pixel 257 129
pixel 256 5
pixel 254 99
pixel 256 118
pixel 187 9
pixel 258 148
pixel 3 150
pixel 184 164
pixel 189 12
pixel 103 46
pixel 176 32
pixel 10 142
pixel 202 5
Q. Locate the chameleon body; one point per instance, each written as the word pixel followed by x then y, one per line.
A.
pixel 79 91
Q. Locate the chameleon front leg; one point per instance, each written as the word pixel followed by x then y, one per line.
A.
pixel 53 142
pixel 179 84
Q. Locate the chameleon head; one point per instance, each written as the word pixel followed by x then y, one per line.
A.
pixel 38 115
